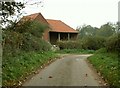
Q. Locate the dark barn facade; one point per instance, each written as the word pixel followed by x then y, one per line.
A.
pixel 64 36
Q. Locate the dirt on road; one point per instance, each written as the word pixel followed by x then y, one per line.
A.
pixel 70 70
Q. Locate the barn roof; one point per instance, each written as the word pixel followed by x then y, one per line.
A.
pixel 59 26
pixel 55 25
pixel 32 16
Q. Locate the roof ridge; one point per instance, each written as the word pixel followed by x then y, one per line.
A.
pixel 53 19
pixel 33 14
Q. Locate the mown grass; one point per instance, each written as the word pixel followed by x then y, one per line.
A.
pixel 108 65
pixel 18 68
pixel 75 51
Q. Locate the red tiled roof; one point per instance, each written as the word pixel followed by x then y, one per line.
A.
pixel 32 16
pixel 59 26
pixel 56 25
pixel 36 16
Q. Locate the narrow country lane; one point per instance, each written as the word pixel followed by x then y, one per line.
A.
pixel 71 70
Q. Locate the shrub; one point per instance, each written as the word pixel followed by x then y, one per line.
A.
pixel 33 27
pixel 92 43
pixel 69 44
pixel 11 42
pixel 113 43
pixel 88 42
pixel 32 43
pixel 25 36
pixel 23 52
pixel 101 50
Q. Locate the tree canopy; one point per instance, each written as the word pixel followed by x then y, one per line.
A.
pixel 9 9
pixel 105 30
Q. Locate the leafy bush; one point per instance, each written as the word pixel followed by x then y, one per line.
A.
pixel 32 27
pixel 23 52
pixel 95 38
pixel 25 36
pixel 32 43
pixel 69 44
pixel 88 42
pixel 113 43
pixel 101 50
pixel 14 42
pixel 92 43
pixel 11 42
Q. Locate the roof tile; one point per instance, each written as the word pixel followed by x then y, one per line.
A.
pixel 59 26
pixel 56 25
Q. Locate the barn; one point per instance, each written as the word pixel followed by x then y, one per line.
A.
pixel 57 30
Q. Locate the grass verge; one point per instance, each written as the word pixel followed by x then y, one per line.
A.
pixel 75 51
pixel 108 65
pixel 15 69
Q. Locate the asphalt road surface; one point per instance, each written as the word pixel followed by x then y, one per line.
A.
pixel 70 70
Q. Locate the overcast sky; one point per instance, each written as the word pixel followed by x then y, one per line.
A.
pixel 77 12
